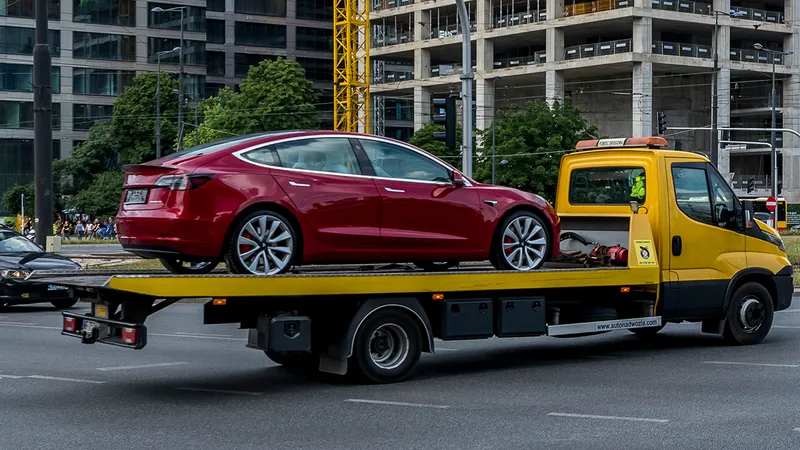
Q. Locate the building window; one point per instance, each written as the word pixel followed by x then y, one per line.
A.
pixel 212 89
pixel 103 46
pixel 195 87
pixel 19 115
pixel 317 69
pixel 27 9
pixel 261 7
pixel 260 35
pixel 195 51
pixel 84 116
pixel 314 10
pixel 101 81
pixel 216 31
pixel 607 186
pixel 20 41
pixel 216 5
pixel 243 61
pixel 116 12
pixel 194 18
pixel 215 63
pixel 19 77
pixel 399 109
pixel 315 39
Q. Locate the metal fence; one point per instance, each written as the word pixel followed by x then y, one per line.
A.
pixel 379 5
pixel 601 49
pixel 678 49
pixel 755 56
pixel 578 9
pixel 759 14
pixel 683 6
pixel 537 58
pixel 522 18
pixel 394 76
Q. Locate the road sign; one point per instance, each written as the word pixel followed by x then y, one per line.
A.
pixel 771 204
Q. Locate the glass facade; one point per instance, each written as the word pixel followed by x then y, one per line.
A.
pixel 260 35
pixel 315 39
pixel 215 63
pixel 26 8
pixel 261 7
pixel 115 47
pixel 243 61
pixel 399 109
pixel 108 12
pixel 317 69
pixel 19 115
pixel 215 31
pixel 101 81
pixel 314 10
pixel 19 77
pixel 194 18
pixel 20 41
pixel 84 116
pixel 212 89
pixel 216 5
pixel 195 51
pixel 195 86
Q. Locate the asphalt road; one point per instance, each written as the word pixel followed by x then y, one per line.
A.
pixel 198 387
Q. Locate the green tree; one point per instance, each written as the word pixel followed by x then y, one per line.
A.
pixel 276 95
pixel 102 197
pixel 94 155
pixel 12 199
pixel 532 139
pixel 423 138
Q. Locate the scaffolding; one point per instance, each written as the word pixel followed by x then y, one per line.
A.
pixel 379 106
pixel 351 65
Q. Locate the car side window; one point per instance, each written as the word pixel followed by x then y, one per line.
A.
pixel 393 161
pixel 263 155
pixel 691 193
pixel 333 155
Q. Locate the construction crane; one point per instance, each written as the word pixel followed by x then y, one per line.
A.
pixel 351 65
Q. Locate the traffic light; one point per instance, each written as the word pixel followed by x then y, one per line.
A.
pixel 448 119
pixel 678 144
pixel 662 123
pixel 751 184
pixel 780 187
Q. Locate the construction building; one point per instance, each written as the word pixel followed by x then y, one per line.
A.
pixel 620 61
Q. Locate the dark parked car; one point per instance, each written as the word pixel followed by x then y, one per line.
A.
pixel 18 258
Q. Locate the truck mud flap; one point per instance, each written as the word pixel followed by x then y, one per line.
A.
pixel 90 329
pixel 603 326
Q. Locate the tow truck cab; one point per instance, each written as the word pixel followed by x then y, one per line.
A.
pixel 708 242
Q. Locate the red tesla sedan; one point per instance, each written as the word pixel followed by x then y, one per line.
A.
pixel 264 203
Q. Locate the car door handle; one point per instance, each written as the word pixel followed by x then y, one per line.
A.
pixel 677 246
pixel 388 189
pixel 299 184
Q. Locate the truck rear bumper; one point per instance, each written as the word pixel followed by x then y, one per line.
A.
pixel 91 329
pixel 784 286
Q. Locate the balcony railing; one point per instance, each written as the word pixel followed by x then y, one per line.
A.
pixel 393 76
pixel 677 49
pixel 755 56
pixel 578 9
pixel 683 6
pixel 443 70
pixel 392 37
pixel 380 5
pixel 449 30
pixel 759 14
pixel 601 49
pixel 761 181
pixel 537 58
pixel 757 137
pixel 522 18
pixel 762 102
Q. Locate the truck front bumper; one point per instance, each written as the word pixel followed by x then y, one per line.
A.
pixel 784 287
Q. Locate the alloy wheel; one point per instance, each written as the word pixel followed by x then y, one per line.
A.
pixel 265 245
pixel 524 243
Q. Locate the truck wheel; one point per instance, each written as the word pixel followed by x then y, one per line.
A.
pixel 387 347
pixel 292 360
pixel 64 304
pixel 750 315
pixel 522 242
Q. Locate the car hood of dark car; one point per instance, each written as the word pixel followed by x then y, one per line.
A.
pixel 35 261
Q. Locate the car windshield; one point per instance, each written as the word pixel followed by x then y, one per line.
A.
pixel 13 242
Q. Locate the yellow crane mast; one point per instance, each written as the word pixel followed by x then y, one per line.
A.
pixel 351 65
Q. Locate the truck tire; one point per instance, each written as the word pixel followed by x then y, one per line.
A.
pixel 303 361
pixel 749 316
pixel 63 304
pixel 387 347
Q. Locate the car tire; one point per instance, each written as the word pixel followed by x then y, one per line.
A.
pixel 387 347
pixel 750 314
pixel 64 304
pixel 535 229
pixel 436 266
pixel 270 258
pixel 175 265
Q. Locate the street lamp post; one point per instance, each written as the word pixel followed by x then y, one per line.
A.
pixel 158 9
pixel 715 82
pixel 158 97
pixel 774 153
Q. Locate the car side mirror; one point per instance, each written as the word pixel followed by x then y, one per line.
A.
pixel 747 213
pixel 458 180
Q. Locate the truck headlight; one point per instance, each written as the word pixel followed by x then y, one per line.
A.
pixel 775 240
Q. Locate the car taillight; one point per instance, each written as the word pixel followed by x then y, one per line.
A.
pixel 69 324
pixel 128 335
pixel 182 182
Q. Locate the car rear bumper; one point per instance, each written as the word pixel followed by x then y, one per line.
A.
pixel 156 234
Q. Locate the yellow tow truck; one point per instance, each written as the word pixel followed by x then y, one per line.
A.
pixel 649 236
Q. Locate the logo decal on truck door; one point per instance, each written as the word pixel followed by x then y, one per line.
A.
pixel 644 250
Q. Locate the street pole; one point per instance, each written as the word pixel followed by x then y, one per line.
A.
pixel 466 88
pixel 158 106
pixel 180 93
pixel 714 95
pixel 42 128
pixel 774 150
pixel 196 134
pixel 494 120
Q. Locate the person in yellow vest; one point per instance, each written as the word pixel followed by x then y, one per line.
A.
pixel 637 190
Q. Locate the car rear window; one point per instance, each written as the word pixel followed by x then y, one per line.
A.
pixel 607 186
pixel 211 147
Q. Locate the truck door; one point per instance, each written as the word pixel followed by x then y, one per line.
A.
pixel 706 240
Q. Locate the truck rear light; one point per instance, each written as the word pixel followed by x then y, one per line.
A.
pixel 128 335
pixel 182 182
pixel 69 324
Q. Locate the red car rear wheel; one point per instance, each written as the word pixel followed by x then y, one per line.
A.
pixel 263 243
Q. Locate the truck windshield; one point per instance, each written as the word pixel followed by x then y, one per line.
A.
pixel 607 185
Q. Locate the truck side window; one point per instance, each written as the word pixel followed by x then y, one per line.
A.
pixel 691 193
pixel 724 202
pixel 607 186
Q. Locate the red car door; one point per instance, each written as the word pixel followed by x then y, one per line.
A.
pixel 339 205
pixel 422 211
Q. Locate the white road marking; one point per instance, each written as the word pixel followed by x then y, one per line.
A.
pixel 786 326
pixel 75 380
pixel 203 334
pixel 217 391
pixel 593 416
pixel 751 364
pixel 17 323
pixel 439 349
pixel 142 366
pixel 12 377
pixel 196 337
pixel 382 402
pixel 31 326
